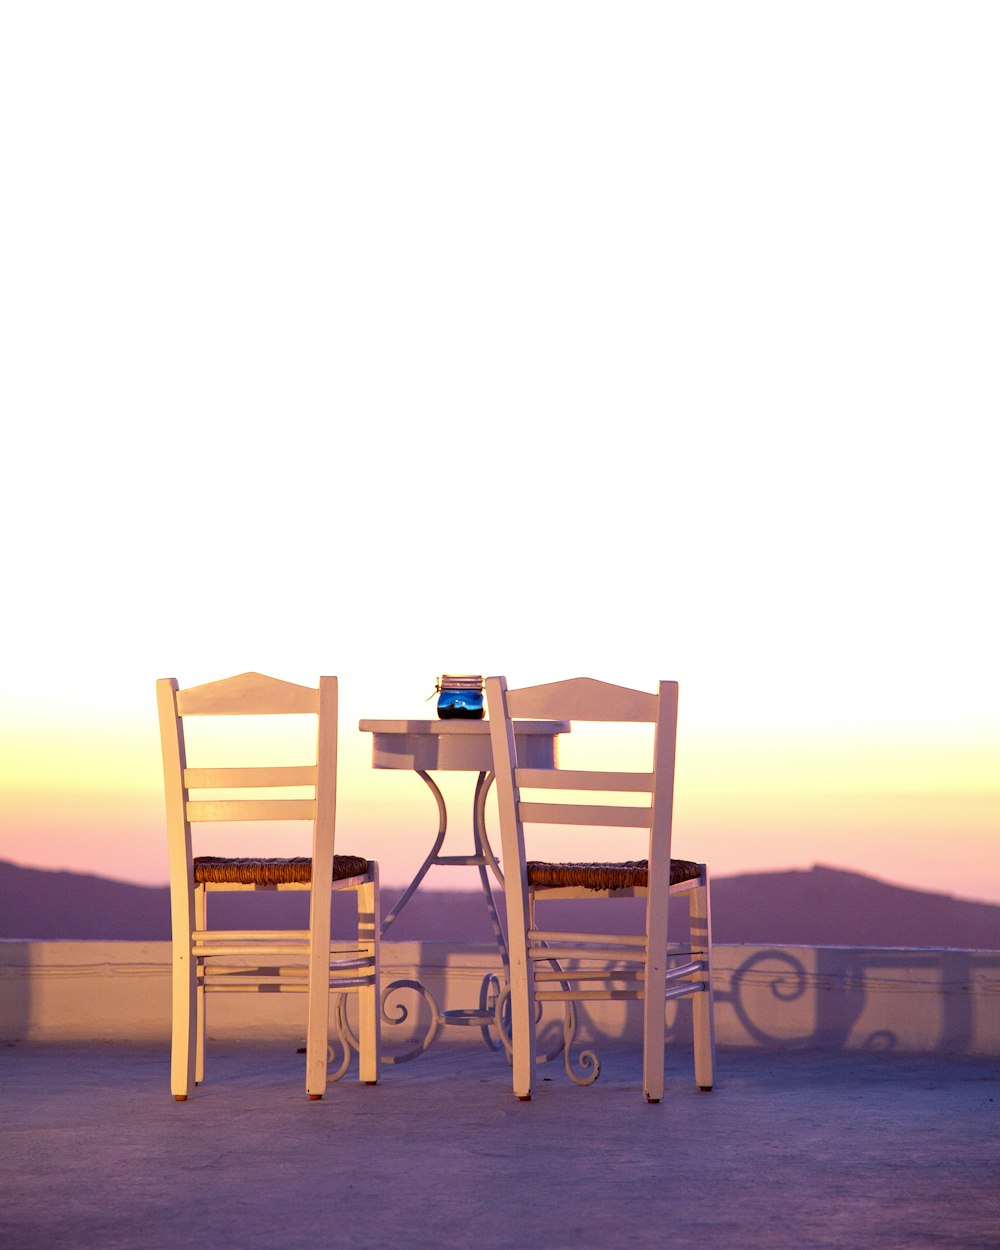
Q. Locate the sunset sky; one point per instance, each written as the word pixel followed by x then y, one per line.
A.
pixel 637 341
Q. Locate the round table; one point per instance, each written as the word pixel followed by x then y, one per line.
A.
pixel 425 746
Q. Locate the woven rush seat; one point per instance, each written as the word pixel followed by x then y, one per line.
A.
pixel 615 876
pixel 212 868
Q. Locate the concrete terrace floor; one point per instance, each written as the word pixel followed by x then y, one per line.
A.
pixel 791 1149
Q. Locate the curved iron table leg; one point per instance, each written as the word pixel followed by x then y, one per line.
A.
pixel 491 990
pixel 432 856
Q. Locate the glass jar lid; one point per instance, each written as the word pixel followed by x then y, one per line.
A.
pixel 464 681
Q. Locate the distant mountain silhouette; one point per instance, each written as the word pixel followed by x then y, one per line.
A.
pixel 815 907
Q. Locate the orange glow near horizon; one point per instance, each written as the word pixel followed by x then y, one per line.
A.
pixel 893 809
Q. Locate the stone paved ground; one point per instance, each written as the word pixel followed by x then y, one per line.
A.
pixel 792 1149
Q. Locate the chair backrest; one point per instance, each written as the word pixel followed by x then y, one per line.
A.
pixel 249 694
pixel 584 699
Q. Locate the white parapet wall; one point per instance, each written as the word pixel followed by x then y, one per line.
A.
pixel 832 998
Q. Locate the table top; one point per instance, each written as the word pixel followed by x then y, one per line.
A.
pixel 457 745
pixel 482 727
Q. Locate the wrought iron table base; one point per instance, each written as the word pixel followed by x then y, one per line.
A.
pixel 493 1012
pixel 482 858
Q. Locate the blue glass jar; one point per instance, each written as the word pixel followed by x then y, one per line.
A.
pixel 460 698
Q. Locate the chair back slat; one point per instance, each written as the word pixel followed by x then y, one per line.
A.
pixel 584 814
pixel 248 694
pixel 250 809
pixel 568 779
pixel 583 699
pixel 249 778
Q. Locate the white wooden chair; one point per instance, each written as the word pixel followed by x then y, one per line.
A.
pixel 283 959
pixel 548 965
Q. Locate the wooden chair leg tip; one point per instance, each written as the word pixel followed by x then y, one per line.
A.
pixel 652 1101
pixel 315 1097
pixel 705 1089
pixel 524 1098
pixel 180 1097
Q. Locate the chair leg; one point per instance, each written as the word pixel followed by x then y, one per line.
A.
pixel 201 922
pixel 522 1023
pixel 703 1003
pixel 704 1040
pixel 317 1047
pixel 654 1011
pixel 521 917
pixel 653 1044
pixel 183 1023
pixel 199 1035
pixel 318 1010
pixel 369 1007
